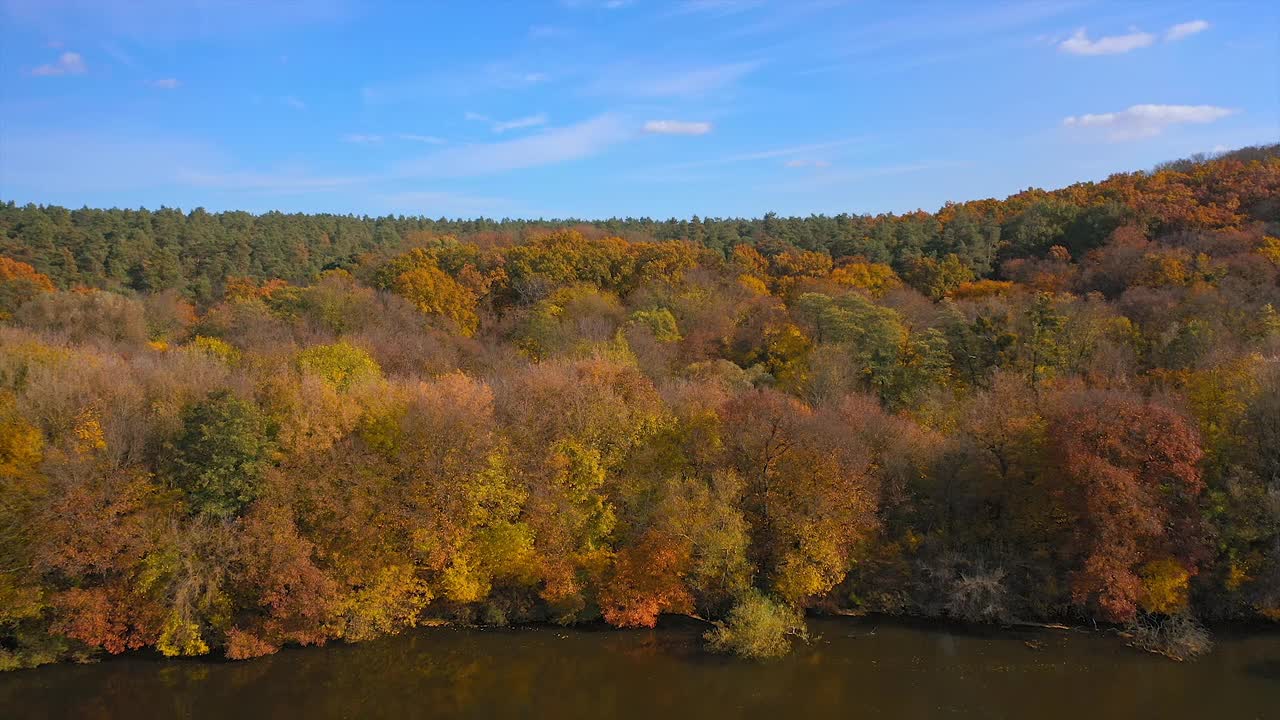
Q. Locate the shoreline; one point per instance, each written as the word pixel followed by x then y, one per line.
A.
pixel 693 626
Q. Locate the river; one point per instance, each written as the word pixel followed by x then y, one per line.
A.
pixel 856 668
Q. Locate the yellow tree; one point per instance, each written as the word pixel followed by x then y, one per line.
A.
pixel 19 282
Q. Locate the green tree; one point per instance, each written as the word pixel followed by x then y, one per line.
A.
pixel 936 278
pixel 219 456
pixel 1042 350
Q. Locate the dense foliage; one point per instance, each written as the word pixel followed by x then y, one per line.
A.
pixel 231 433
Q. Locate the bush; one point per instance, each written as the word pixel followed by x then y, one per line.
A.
pixel 978 596
pixel 758 628
pixel 1177 636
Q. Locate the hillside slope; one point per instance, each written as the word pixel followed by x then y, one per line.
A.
pixel 227 433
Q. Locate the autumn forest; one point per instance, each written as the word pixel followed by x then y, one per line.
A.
pixel 230 433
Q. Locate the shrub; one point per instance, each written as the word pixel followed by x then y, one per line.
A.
pixel 1176 636
pixel 758 628
pixel 978 596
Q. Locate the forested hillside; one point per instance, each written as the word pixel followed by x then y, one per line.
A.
pixel 229 433
pixel 195 253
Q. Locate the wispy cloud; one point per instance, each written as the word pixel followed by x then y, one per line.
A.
pixel 68 63
pixel 666 82
pixel 768 154
pixel 501 126
pixel 45 162
pixel 432 203
pixel 808 164
pixel 162 20
pixel 951 24
pixel 716 7
pixel 546 32
pixel 458 81
pixel 293 102
pixel 595 4
pixel 1185 30
pixel 1144 121
pixel 1080 44
pixel 548 147
pixel 525 122
pixel 816 181
pixel 284 181
pixel 376 139
pixel 166 84
pixel 427 139
pixel 677 127
pixel 117 53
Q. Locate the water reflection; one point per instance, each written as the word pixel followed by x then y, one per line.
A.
pixel 854 669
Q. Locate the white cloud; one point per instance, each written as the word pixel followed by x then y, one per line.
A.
pixel 1080 44
pixel 166 84
pixel 428 139
pixel 1144 121
pixel 362 139
pixel 293 102
pixel 1186 29
pixel 548 147
pixel 808 163
pixel 677 127
pixel 501 126
pixel 69 63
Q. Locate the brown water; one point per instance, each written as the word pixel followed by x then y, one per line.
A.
pixel 857 669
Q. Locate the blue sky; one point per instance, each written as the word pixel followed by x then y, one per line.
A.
pixel 600 108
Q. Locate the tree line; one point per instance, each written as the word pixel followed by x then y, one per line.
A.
pixel 233 433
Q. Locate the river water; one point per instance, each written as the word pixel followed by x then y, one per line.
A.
pixel 857 668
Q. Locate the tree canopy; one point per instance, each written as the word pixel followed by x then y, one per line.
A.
pixel 231 433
